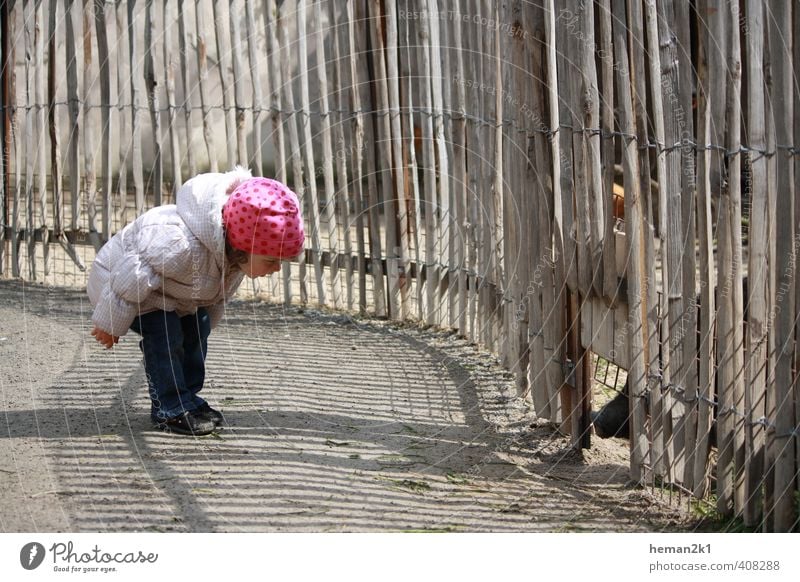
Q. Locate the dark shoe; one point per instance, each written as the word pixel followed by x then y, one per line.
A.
pixel 188 423
pixel 207 413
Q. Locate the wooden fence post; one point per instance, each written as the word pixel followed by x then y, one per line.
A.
pixel 395 160
pixel 183 43
pixel 555 283
pixel 327 159
pixel 685 140
pixel 707 303
pixel 169 77
pixel 5 111
pixel 288 105
pixel 156 179
pixel 661 399
pixel 610 284
pixel 308 153
pixel 278 119
pixel 634 221
pixel 344 154
pixel 782 511
pixel 15 152
pixel 442 195
pixel 358 137
pixel 238 83
pixel 29 150
pixel 123 63
pixel 223 46
pixel 41 128
pixel 202 85
pixel 758 288
pixel 90 127
pixel 102 20
pixel 383 148
pixel 136 104
pixel 74 112
pixel 734 145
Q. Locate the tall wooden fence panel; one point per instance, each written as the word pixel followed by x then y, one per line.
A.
pixel 549 178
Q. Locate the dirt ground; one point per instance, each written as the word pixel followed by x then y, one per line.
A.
pixel 334 424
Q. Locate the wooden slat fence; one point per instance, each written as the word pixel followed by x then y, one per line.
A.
pixel 456 162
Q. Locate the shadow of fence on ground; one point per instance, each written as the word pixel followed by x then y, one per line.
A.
pixel 332 424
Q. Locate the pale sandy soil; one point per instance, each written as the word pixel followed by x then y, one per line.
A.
pixel 334 424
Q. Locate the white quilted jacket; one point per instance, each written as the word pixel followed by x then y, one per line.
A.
pixel 171 257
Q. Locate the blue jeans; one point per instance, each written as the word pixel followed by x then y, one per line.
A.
pixel 174 351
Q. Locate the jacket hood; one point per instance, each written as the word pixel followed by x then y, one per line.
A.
pixel 199 204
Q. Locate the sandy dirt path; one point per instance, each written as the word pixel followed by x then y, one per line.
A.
pixel 334 424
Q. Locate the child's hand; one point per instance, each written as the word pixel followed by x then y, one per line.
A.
pixel 104 338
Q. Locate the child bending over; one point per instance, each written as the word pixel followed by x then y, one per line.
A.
pixel 168 274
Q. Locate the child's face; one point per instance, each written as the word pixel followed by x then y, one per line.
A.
pixel 260 265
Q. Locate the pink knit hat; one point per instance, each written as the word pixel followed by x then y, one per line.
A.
pixel 262 217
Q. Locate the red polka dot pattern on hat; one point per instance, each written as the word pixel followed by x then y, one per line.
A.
pixel 264 227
